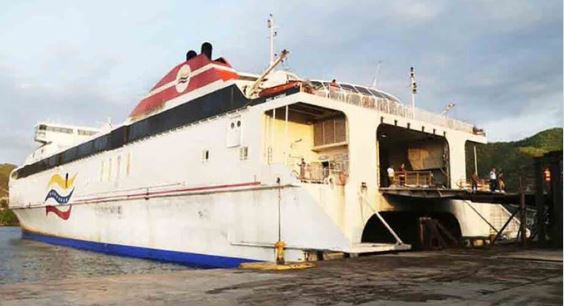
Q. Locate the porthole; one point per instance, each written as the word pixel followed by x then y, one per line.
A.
pixel 232 125
pixel 238 123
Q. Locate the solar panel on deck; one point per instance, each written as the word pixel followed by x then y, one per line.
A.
pixel 363 90
pixel 377 93
pixel 349 87
pixel 316 84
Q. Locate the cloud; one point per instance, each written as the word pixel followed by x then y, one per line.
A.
pixel 500 62
pixel 532 119
pixel 24 103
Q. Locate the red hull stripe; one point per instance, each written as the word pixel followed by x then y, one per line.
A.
pixel 61 214
pixel 166 192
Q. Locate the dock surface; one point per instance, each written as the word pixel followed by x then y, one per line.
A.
pixel 503 275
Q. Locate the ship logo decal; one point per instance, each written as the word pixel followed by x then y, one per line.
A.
pixel 62 182
pixel 183 78
pixel 58 212
pixel 53 194
pixel 61 190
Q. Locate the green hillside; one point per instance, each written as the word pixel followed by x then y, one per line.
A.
pixel 514 158
pixel 5 170
pixel 7 217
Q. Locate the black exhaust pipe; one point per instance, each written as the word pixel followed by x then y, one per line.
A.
pixel 207 50
pixel 191 54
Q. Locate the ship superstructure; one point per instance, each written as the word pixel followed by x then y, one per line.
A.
pixel 214 167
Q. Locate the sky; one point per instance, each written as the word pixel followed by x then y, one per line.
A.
pixel 86 62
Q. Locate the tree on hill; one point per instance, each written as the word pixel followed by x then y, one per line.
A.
pixel 5 170
pixel 7 217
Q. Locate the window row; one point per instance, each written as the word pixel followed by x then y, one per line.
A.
pixel 219 102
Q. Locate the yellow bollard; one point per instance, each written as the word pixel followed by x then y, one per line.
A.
pixel 279 245
pixel 280 264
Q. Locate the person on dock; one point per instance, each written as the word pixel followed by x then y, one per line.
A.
pixel 493 180
pixel 474 179
pixel 391 175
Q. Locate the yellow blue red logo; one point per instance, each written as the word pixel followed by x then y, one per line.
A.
pixel 60 190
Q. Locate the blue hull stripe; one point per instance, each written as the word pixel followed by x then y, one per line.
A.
pixel 189 259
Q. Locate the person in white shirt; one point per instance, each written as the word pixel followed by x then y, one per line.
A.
pixel 493 180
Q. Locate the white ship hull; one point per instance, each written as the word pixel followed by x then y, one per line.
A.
pixel 214 226
pixel 218 189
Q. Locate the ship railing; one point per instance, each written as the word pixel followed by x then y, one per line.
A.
pixel 394 108
pixel 420 179
pixel 466 184
pixel 335 172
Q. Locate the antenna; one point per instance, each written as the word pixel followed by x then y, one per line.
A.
pixel 413 88
pixel 271 34
pixel 377 74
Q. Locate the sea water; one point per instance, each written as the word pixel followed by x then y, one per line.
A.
pixel 23 260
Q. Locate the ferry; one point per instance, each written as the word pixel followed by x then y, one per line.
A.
pixel 216 167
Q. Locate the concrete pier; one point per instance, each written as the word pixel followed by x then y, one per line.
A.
pixel 501 275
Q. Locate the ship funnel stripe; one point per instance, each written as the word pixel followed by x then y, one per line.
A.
pixel 194 79
pixel 194 74
pixel 157 102
pixel 194 63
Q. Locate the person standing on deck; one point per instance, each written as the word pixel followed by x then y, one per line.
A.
pixel 402 174
pixel 474 180
pixel 391 175
pixel 302 165
pixel 334 89
pixel 500 181
pixel 493 180
pixel 333 85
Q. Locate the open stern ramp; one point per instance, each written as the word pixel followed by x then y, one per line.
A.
pixel 362 248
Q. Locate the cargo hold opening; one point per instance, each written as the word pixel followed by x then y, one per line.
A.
pixel 424 156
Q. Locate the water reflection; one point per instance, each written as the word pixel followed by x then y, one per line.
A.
pixel 23 260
